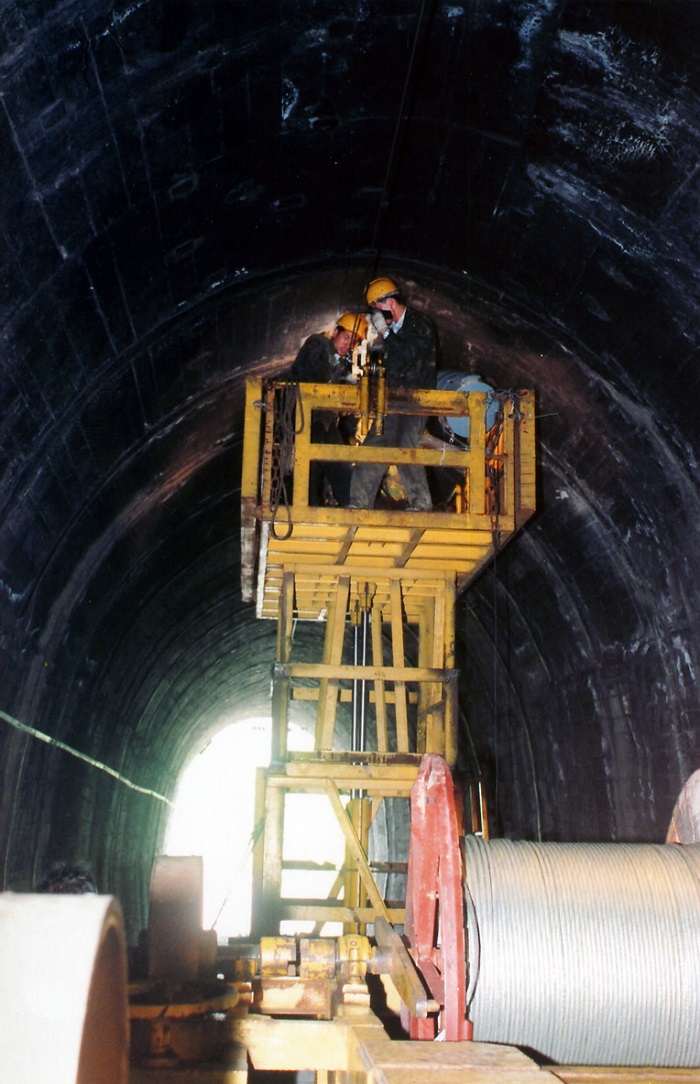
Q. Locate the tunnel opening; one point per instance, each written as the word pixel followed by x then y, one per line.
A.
pixel 213 816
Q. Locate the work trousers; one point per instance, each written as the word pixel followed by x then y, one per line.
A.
pixel 400 431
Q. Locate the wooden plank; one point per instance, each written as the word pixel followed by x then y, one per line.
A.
pixel 345 697
pixel 362 570
pixel 397 673
pixel 348 765
pixel 347 543
pixel 429 576
pixel 291 1045
pixel 463 1057
pixel 434 1073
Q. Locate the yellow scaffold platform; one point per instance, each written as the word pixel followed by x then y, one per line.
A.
pixel 420 916
pixel 377 571
pixel 494 496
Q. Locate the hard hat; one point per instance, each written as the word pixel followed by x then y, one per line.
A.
pixel 355 323
pixel 379 288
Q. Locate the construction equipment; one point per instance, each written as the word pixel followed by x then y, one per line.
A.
pixel 493 947
pixel 385 583
pixel 374 577
pixel 530 961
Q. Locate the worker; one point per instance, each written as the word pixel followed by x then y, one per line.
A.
pixel 409 354
pixel 327 359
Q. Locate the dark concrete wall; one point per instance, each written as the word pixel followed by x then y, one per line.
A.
pixel 187 191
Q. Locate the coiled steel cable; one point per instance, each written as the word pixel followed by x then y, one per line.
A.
pixel 585 953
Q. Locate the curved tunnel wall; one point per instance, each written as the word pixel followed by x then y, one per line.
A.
pixel 185 199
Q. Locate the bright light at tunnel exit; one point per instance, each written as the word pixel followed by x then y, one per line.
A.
pixel 213 816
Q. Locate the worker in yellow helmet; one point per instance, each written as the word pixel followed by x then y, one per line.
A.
pixel 409 350
pixel 326 358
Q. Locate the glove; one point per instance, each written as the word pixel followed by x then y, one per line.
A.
pixel 378 322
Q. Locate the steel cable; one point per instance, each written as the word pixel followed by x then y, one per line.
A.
pixel 585 953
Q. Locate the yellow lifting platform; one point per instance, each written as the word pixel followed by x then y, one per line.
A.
pixel 494 496
pixel 382 584
pixel 368 574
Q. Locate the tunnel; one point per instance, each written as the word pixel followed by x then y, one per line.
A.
pixel 188 191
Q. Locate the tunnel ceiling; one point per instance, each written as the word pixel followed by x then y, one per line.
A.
pixel 187 191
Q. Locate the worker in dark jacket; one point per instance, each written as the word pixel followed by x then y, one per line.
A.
pixel 410 361
pixel 327 359
pixel 324 358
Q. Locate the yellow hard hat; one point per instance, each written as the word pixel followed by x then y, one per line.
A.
pixel 355 323
pixel 379 288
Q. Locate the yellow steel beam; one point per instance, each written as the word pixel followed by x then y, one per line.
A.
pixel 280 683
pixel 317 563
pixel 378 518
pixel 387 786
pixel 332 655
pixel 427 695
pixel 267 854
pixel 345 696
pixel 359 812
pixel 354 845
pixel 397 673
pixel 359 453
pixel 322 911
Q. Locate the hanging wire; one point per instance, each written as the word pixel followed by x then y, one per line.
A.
pixel 49 740
pixel 403 118
pixel 237 874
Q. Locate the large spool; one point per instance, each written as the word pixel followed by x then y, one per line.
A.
pixel 63 1005
pixel 587 954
